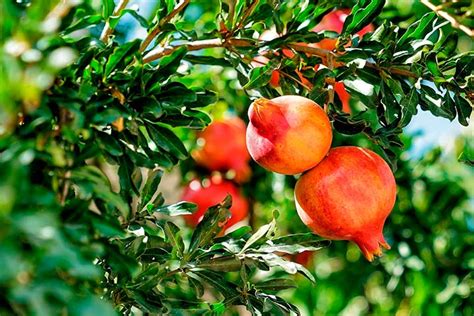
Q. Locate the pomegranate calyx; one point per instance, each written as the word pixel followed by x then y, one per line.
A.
pixel 371 246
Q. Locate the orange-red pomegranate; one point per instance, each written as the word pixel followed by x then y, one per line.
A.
pixel 289 134
pixel 223 148
pixel 210 192
pixel 348 196
pixel 334 21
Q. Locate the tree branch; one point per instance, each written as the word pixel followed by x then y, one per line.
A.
pixel 149 38
pixel 107 31
pixel 327 56
pixel 448 17
pixel 191 46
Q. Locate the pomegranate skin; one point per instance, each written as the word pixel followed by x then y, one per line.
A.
pixel 288 134
pixel 348 196
pixel 205 196
pixel 224 148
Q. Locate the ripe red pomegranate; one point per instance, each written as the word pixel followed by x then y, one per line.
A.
pixel 223 148
pixel 289 134
pixel 210 192
pixel 334 21
pixel 348 196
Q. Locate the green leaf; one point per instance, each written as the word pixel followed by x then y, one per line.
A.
pixel 430 100
pixel 211 225
pixel 123 55
pixel 418 30
pixel 409 104
pixel 180 208
pixel 151 186
pixel 92 305
pixel 197 285
pixel 276 285
pixel 463 108
pixel 115 19
pixel 207 60
pixel 346 125
pixel 362 14
pixel 391 111
pixel 109 144
pixel 264 230
pixel 259 77
pixel 84 22
pixel 295 243
pixel 448 47
pixel 107 227
pixel 125 175
pixel 216 280
pixel 176 93
pixel 467 155
pixel 107 8
pixel 166 139
pixel 224 264
pixel 173 236
pixel 170 63
pixel 274 260
pixel 147 301
pixel 92 177
pixel 432 65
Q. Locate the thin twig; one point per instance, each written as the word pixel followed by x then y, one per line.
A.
pixel 197 45
pixel 330 60
pixel 448 17
pixel 149 38
pixel 66 184
pixel 107 31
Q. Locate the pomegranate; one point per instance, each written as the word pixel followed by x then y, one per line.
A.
pixel 334 21
pixel 223 148
pixel 289 134
pixel 348 196
pixel 210 192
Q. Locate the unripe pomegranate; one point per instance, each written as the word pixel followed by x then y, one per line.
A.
pixel 289 134
pixel 211 192
pixel 348 196
pixel 334 21
pixel 223 148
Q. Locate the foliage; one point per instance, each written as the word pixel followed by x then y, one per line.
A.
pixel 90 119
